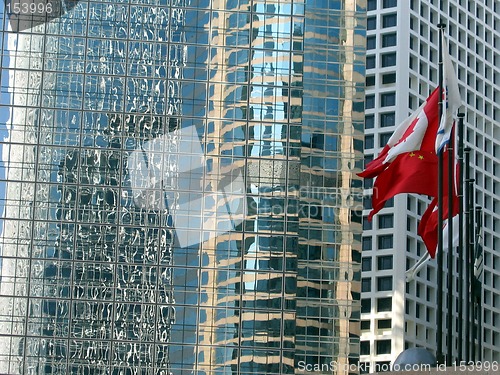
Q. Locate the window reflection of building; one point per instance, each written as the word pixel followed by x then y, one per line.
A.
pixel 122 255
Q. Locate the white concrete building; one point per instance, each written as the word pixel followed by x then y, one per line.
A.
pixel 402 70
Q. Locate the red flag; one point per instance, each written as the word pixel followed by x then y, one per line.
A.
pixel 417 132
pixel 412 172
pixel 428 227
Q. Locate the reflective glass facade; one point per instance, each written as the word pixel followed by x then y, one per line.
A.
pixel 179 188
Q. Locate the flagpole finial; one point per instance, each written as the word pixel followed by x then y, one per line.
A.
pixel 441 25
pixel 461 114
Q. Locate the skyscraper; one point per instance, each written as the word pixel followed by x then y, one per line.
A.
pixel 180 192
pixel 402 70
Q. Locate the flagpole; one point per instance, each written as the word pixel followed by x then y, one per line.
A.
pixel 440 274
pixel 471 267
pixel 467 151
pixel 478 292
pixel 460 270
pixel 450 263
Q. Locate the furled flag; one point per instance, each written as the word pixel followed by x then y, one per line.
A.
pixel 417 132
pixel 413 271
pixel 428 227
pixel 451 99
pixel 478 257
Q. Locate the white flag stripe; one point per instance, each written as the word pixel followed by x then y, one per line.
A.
pixel 478 267
pixel 478 261
pixel 401 129
pixel 456 226
pixel 412 272
pixel 414 140
pixel 451 98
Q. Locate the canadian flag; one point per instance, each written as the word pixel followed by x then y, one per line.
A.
pixel 416 133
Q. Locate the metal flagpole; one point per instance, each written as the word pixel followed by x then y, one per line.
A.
pixel 478 285
pixel 440 274
pixel 450 262
pixel 460 270
pixel 470 250
pixel 467 151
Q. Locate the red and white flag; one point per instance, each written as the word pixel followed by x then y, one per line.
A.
pixel 413 271
pixel 428 227
pixel 416 133
pixel 411 172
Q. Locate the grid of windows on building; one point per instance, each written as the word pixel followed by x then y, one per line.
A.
pixel 179 187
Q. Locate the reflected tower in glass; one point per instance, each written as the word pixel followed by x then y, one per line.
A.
pixel 180 193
